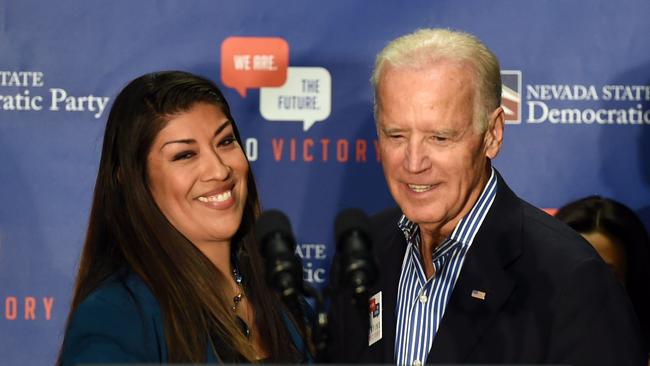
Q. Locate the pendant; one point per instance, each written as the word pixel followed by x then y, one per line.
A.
pixel 236 300
pixel 243 327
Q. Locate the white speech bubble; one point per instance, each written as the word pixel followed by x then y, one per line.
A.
pixel 306 96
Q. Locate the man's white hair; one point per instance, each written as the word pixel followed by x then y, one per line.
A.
pixel 424 47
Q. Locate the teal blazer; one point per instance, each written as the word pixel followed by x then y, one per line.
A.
pixel 121 322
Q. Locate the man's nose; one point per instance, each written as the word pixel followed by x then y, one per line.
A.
pixel 416 157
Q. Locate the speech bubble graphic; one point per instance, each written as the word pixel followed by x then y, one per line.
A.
pixel 306 96
pixel 253 62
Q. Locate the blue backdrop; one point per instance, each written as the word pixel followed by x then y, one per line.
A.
pixel 576 77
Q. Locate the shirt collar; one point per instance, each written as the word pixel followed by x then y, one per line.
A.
pixel 411 230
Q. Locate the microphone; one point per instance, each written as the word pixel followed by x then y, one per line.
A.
pixel 284 273
pixel 358 267
pixel 283 268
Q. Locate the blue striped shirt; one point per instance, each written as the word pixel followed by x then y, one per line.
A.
pixel 421 303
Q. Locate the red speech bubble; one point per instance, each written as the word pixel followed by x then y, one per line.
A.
pixel 253 62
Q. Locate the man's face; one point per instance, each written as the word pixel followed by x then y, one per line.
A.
pixel 434 159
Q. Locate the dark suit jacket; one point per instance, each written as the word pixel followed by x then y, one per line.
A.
pixel 121 322
pixel 549 297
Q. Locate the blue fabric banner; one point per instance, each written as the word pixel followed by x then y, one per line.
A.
pixel 576 90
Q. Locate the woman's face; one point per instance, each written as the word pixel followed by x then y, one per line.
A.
pixel 611 252
pixel 198 174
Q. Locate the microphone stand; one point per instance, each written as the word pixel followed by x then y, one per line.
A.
pixel 320 333
pixel 284 267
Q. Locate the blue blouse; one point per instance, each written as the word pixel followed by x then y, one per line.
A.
pixel 121 322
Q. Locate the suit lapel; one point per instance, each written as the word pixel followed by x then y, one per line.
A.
pixel 391 265
pixel 390 246
pixel 483 286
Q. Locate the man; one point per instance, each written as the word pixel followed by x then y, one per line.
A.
pixel 469 273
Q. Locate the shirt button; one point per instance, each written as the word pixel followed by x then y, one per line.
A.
pixel 423 299
pixel 417 363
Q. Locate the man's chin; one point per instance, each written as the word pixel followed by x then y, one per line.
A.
pixel 422 215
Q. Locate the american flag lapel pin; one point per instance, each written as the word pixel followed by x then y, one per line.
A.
pixel 478 294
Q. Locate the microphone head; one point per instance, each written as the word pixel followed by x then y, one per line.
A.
pixel 358 268
pixel 283 267
pixel 272 222
pixel 348 220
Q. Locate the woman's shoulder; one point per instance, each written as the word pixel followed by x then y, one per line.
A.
pixel 120 321
pixel 125 291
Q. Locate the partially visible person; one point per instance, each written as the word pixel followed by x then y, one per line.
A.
pixel 469 272
pixel 170 272
pixel 618 235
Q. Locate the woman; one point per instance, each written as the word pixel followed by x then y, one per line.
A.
pixel 619 237
pixel 169 270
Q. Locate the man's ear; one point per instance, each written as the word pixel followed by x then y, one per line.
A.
pixel 494 133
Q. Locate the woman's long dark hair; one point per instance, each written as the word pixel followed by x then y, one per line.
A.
pixel 127 229
pixel 621 225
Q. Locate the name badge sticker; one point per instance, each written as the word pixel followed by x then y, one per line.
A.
pixel 374 312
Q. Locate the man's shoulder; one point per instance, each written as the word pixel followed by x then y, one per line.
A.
pixel 385 231
pixel 540 221
pixel 547 235
pixel 540 233
pixel 389 216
